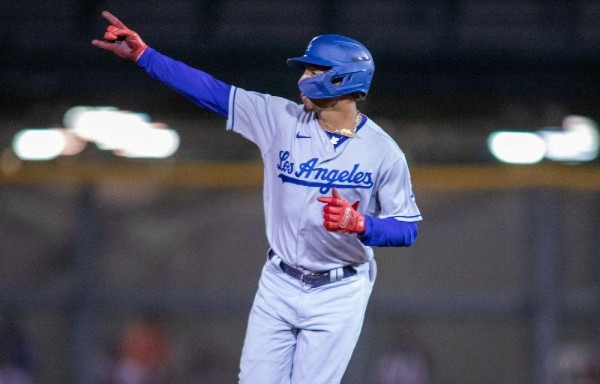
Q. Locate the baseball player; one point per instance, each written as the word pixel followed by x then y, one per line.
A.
pixel 335 185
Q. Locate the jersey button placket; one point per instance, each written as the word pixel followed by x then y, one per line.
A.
pixel 309 201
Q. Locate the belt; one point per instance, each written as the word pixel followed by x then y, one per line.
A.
pixel 313 279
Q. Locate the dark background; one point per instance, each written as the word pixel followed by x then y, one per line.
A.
pixel 465 68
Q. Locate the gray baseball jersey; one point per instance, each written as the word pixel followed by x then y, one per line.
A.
pixel 301 164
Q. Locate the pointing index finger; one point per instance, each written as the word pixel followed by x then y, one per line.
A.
pixel 113 20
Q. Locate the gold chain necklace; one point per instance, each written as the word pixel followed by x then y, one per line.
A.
pixel 348 132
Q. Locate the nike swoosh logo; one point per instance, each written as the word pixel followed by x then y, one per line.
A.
pixel 299 136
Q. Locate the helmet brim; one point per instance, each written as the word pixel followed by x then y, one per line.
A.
pixel 299 63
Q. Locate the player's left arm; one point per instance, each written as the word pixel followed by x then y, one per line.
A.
pixel 341 216
pixel 396 225
pixel 388 232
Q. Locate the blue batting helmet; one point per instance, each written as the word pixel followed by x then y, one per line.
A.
pixel 349 67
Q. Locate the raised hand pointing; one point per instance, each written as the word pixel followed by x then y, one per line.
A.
pixel 120 40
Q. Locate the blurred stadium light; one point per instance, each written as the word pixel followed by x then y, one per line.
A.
pixel 39 144
pixel 517 147
pixel 577 140
pixel 124 133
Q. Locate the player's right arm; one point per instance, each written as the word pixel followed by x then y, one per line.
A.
pixel 250 114
pixel 198 86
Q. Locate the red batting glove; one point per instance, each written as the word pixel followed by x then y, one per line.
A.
pixel 121 40
pixel 340 216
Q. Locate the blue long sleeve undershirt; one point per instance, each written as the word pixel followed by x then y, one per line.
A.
pixel 207 92
pixel 197 86
pixel 388 232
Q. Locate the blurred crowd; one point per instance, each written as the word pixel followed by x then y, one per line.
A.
pixel 144 353
pixel 18 360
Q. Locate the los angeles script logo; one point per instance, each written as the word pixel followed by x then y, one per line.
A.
pixel 310 175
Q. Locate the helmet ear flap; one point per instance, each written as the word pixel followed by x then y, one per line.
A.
pixel 339 80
